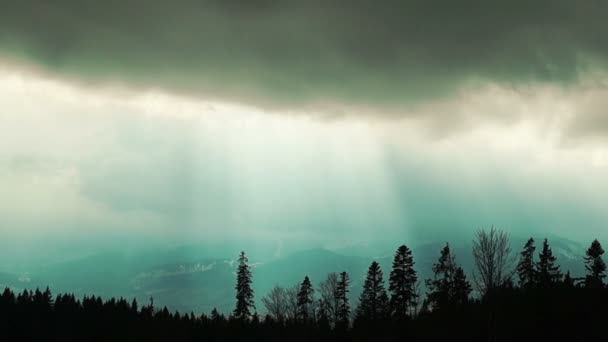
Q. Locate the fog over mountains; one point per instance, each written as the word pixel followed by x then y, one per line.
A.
pixel 199 277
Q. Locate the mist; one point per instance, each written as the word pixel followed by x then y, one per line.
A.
pixel 87 171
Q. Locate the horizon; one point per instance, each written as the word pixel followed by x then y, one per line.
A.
pixel 189 132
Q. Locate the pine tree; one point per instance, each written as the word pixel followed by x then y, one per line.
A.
pixel 402 282
pixel 595 265
pixel 439 287
pixel 134 307
pixel 244 292
pixel 343 314
pixel 373 302
pixel 449 286
pixel 8 296
pixel 47 297
pixel 216 316
pixel 461 288
pixel 548 271
pixel 568 281
pixel 305 300
pixel 526 269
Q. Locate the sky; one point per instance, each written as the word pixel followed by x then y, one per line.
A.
pixel 325 122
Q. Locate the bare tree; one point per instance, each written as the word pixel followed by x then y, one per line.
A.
pixel 493 260
pixel 329 301
pixel 291 295
pixel 276 303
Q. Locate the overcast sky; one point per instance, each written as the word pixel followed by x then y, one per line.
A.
pixel 328 121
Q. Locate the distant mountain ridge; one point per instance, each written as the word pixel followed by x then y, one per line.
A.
pixel 189 281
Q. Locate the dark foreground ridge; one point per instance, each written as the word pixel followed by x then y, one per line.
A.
pixel 515 299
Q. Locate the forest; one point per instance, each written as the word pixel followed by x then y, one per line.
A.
pixel 509 296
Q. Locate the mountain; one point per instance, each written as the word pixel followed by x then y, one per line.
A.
pixel 188 279
pixel 9 280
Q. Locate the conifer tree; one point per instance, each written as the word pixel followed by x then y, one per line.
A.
pixel 402 282
pixel 449 285
pixel 595 265
pixel 134 306
pixel 305 300
pixel 244 292
pixel 439 286
pixel 373 302
pixel 461 288
pixel 343 314
pixel 526 269
pixel 548 271
pixel 216 316
pixel 568 281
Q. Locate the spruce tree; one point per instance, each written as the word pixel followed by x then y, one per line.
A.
pixel 439 287
pixel 461 288
pixel 343 314
pixel 373 301
pixel 216 316
pixel 305 300
pixel 244 292
pixel 568 281
pixel 402 282
pixel 548 271
pixel 449 286
pixel 526 269
pixel 595 265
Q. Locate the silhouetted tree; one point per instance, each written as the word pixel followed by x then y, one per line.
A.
pixel 343 313
pixel 216 316
pixel 595 265
pixel 449 285
pixel 373 302
pixel 562 311
pixel 322 316
pixel 134 306
pixel 493 262
pixel 461 288
pixel 291 295
pixel 244 292
pixel 276 303
pixel 526 268
pixel 548 271
pixel 425 308
pixel 8 298
pixel 305 300
pixel 328 302
pixel 568 281
pixel 402 283
pixel 439 287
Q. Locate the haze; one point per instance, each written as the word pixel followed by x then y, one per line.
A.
pixel 245 124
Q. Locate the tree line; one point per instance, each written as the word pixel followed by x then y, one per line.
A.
pixel 508 297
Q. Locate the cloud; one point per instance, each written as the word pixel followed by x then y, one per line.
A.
pixel 332 54
pixel 589 120
pixel 94 164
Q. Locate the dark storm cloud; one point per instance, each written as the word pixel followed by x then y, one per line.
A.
pixel 298 53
